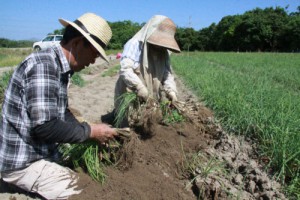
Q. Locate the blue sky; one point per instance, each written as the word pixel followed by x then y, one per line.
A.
pixel 34 19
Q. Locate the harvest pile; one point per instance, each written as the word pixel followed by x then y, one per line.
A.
pixel 194 156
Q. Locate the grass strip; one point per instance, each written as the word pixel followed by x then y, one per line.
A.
pixel 256 95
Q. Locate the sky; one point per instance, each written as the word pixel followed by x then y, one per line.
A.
pixel 34 19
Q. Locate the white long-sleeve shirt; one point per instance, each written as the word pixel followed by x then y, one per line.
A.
pixel 130 64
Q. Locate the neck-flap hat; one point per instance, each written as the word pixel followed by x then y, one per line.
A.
pixel 94 28
pixel 164 35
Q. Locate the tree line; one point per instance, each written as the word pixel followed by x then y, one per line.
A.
pixel 6 43
pixel 269 29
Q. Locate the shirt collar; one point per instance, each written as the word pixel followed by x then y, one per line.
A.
pixel 62 58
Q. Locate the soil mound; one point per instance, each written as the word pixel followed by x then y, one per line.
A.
pixel 154 166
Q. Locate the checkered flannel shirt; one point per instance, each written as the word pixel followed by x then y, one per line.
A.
pixel 37 93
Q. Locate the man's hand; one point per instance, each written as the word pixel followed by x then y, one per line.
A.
pixel 102 132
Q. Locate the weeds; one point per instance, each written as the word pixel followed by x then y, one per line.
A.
pixel 199 166
pixel 125 101
pixel 293 188
pixel 13 56
pixel 90 157
pixel 170 113
pixel 201 169
pixel 4 80
pixel 77 80
pixel 111 71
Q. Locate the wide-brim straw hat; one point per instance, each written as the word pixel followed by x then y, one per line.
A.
pixel 94 28
pixel 164 36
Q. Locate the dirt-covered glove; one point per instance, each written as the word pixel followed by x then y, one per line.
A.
pixel 142 92
pixel 172 96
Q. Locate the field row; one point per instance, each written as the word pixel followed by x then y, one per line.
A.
pixel 253 94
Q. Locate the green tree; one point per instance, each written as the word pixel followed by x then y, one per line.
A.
pixel 290 40
pixel 224 37
pixel 122 32
pixel 205 36
pixel 6 43
pixel 261 30
pixel 59 31
pixel 187 39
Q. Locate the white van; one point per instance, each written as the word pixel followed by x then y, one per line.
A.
pixel 47 42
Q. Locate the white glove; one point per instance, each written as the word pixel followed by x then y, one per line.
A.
pixel 172 96
pixel 142 92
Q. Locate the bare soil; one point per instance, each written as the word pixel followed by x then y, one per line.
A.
pixel 195 159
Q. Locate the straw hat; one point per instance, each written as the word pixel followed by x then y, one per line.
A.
pixel 164 35
pixel 94 28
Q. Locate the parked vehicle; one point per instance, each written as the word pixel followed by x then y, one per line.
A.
pixel 47 42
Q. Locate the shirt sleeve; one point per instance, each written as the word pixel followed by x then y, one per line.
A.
pixel 129 75
pixel 61 132
pixel 132 50
pixel 56 130
pixel 130 63
pixel 41 93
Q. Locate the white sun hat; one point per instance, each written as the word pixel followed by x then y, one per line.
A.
pixel 94 28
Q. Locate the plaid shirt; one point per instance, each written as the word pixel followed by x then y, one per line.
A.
pixel 37 93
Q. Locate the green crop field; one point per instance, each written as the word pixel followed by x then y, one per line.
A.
pixel 13 56
pixel 254 94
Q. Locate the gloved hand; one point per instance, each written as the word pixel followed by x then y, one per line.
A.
pixel 142 92
pixel 172 96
